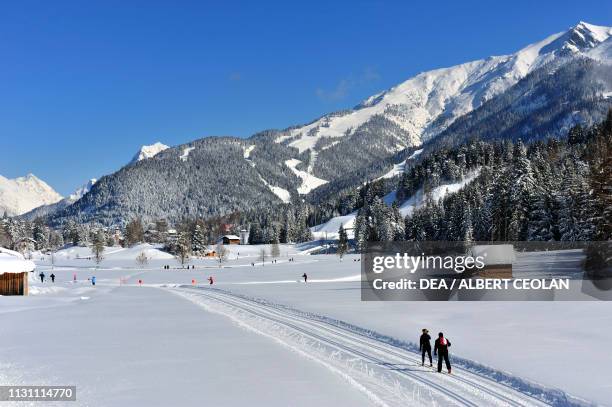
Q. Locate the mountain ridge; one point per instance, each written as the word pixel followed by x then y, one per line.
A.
pixel 22 194
pixel 343 149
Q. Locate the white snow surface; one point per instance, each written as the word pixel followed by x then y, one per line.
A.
pixel 309 181
pixel 149 151
pixel 186 152
pixel 438 193
pixel 281 193
pixel 329 229
pixel 22 194
pixel 399 168
pixel 111 255
pixel 14 262
pixel 282 343
pixel 248 150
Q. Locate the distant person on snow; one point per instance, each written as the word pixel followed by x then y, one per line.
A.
pixel 441 348
pixel 210 280
pixel 425 346
pixel 93 280
pixel 52 277
pixel 305 277
pixel 42 277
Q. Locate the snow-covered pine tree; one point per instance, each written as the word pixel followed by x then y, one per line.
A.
pixel 397 223
pixel 342 242
pixel 522 192
pixel 198 240
pixel 40 234
pixel 362 229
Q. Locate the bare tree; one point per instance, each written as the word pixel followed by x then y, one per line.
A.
pixel 222 253
pixel 183 248
pixel 275 249
pixel 142 259
pixel 263 253
pixel 97 248
pixel 134 232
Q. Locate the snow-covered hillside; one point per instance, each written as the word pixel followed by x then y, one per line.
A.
pixel 341 150
pixel 427 104
pixel 149 151
pixel 399 168
pixel 20 195
pixel 309 181
pixel 329 229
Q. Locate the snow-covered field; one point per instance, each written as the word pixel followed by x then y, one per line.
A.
pixel 148 336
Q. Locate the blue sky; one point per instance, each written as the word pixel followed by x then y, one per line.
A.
pixel 84 84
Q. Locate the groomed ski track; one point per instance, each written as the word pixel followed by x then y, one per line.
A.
pixel 387 374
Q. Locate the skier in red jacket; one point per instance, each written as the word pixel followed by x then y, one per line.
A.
pixel 441 349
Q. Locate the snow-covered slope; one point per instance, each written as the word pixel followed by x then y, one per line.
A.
pixel 329 229
pixel 149 151
pixel 20 195
pixel 399 168
pixel 428 103
pixel 341 150
pixel 309 181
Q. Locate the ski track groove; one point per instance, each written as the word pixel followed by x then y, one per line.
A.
pixel 501 395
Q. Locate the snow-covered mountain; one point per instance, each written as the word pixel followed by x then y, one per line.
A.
pixel 82 190
pixel 540 91
pixel 427 104
pixel 149 151
pixel 20 195
pixel 45 210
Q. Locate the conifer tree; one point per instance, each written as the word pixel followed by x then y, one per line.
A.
pixel 342 242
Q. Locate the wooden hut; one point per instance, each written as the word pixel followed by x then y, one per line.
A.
pixel 14 273
pixel 230 239
pixel 498 259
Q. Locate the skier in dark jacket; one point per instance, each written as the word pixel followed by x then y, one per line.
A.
pixel 305 277
pixel 42 277
pixel 425 346
pixel 441 348
pixel 52 277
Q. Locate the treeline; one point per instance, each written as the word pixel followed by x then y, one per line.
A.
pixel 552 190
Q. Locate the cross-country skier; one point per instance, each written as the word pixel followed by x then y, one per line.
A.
pixel 305 277
pixel 42 277
pixel 210 280
pixel 93 280
pixel 52 277
pixel 425 346
pixel 441 348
